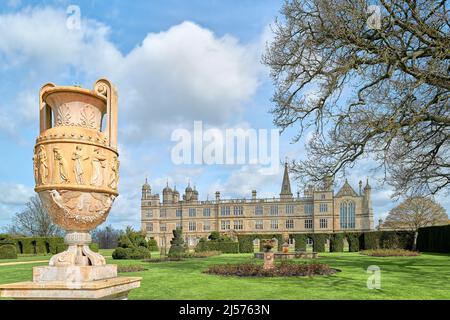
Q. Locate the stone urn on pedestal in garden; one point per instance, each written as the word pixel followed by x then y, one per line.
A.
pixel 269 258
pixel 76 169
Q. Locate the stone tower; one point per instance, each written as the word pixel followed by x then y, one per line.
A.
pixel 367 209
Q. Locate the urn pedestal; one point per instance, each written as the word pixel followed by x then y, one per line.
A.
pixel 76 169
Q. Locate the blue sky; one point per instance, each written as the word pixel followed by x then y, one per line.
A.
pixel 174 62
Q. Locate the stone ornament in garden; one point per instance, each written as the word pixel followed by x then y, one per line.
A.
pixel 269 259
pixel 76 169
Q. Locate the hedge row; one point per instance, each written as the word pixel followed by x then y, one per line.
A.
pixel 8 251
pixel 356 240
pixel 246 241
pixel 39 245
pixel 434 239
pixel 224 247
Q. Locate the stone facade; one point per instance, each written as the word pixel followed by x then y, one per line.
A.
pixel 318 210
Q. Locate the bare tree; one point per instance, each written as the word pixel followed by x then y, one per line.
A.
pixel 106 237
pixel 370 81
pixel 415 213
pixel 34 220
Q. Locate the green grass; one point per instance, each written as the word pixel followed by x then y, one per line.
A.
pixel 423 277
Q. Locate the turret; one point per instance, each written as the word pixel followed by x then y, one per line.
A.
pixel 175 195
pixel 146 190
pixel 188 193
pixel 167 194
pixel 217 195
pixel 194 194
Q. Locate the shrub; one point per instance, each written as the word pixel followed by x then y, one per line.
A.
pixel 285 269
pixel 177 244
pixel 337 242
pixel 319 242
pixel 434 239
pixel 122 253
pixel 390 253
pixel 139 253
pixel 353 241
pixel 300 241
pixel 152 245
pixel 93 246
pixel 8 251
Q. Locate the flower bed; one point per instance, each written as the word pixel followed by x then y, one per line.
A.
pixel 284 269
pixel 390 253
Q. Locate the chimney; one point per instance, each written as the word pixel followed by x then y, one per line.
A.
pixel 253 194
pixel 217 195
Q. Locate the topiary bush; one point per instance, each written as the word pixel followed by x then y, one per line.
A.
pixel 8 251
pixel 177 247
pixel 318 242
pixel 337 242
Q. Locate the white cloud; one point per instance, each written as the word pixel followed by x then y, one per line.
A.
pixel 14 193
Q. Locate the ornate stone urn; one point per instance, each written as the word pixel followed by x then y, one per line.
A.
pixel 269 258
pixel 76 163
pixel 76 169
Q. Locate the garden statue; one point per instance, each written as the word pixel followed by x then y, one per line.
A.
pixel 76 169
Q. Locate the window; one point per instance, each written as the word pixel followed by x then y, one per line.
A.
pixel 206 212
pixel 192 212
pixel 323 207
pixel 347 215
pixel 308 224
pixel 179 213
pixel 163 213
pixel 259 211
pixel 274 210
pixel 238 210
pixel 322 196
pixel 178 225
pixel 323 223
pixel 309 208
pixel 309 241
pixel 225 224
pixel 162 227
pixel 225 211
pixel 206 226
pixel 192 226
pixel 290 224
pixel 148 213
pixel 289 209
pixel 149 227
pixel 274 224
pixel 238 225
pixel 259 225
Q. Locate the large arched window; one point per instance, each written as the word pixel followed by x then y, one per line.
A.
pixel 347 215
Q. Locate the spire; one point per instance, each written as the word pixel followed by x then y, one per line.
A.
pixel 367 187
pixel 286 184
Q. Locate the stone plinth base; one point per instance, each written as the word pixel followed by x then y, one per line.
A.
pixel 108 289
pixel 74 274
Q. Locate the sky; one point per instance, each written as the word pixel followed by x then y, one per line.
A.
pixel 173 62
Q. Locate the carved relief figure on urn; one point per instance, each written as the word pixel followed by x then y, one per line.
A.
pixel 78 159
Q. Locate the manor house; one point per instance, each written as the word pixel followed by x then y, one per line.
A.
pixel 318 210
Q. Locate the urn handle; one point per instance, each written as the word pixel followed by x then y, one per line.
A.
pixel 45 112
pixel 105 88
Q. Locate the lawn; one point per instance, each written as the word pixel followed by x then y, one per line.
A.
pixel 423 277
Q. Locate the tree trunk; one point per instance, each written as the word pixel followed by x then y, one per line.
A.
pixel 414 247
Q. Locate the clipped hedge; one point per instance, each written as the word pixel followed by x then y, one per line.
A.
pixel 353 241
pixel 246 241
pixel 434 239
pixel 8 251
pixel 300 241
pixel 39 245
pixel 386 240
pixel 337 242
pixel 318 241
pixel 224 247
